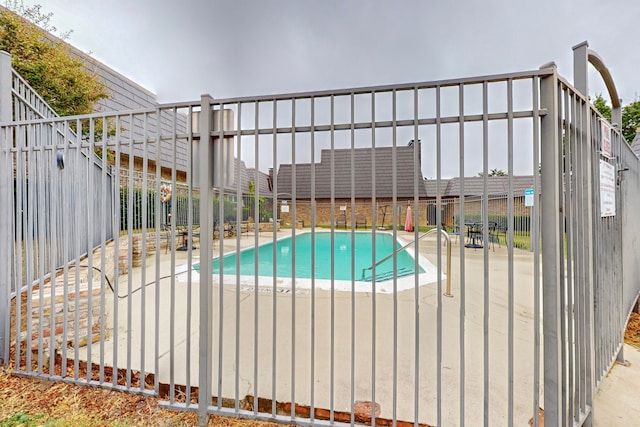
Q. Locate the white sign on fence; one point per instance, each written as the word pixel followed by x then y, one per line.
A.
pixel 607 189
pixel 528 197
pixel 605 138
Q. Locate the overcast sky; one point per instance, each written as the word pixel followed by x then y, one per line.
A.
pixel 182 49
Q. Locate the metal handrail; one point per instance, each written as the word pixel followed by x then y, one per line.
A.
pixel 447 292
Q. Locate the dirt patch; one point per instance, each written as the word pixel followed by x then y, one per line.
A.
pixel 632 333
pixel 31 402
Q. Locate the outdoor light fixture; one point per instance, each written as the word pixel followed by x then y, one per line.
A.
pixel 60 159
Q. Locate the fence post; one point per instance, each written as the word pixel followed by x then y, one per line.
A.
pixel 6 206
pixel 205 180
pixel 581 83
pixel 552 283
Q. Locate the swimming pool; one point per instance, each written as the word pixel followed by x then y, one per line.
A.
pixel 342 262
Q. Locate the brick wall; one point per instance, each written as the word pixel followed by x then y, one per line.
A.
pixel 426 210
pixel 83 302
pixel 78 305
pixel 362 207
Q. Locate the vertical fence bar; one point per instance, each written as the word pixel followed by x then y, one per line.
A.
pixel 256 232
pixel 21 226
pixel 439 323
pixel 332 309
pixel 219 126
pixel 374 208
pixel 587 355
pixel 589 374
pixel 563 265
pixel 484 217
pixel 67 213
pixel 6 202
pixel 143 272
pixel 461 322
pixel 130 216
pixel 313 259
pixel 190 183
pixel 28 143
pixel 54 184
pixel 41 218
pixel 90 230
pixel 551 274
pixel 78 252
pixel 394 198
pixel 578 120
pixel 535 247
pixel 174 216
pixel 160 217
pixel 417 147
pixel 293 258
pixel 104 217
pixel 117 200
pixel 577 259
pixel 239 218
pixel 274 235
pixel 352 186
pixel 205 180
pixel 510 281
pixel 567 220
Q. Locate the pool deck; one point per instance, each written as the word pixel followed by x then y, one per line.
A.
pixel 300 312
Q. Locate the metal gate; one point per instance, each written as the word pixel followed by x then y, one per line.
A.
pixel 246 268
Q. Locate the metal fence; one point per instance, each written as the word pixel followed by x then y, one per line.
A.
pixel 275 322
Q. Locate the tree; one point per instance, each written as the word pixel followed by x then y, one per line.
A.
pixel 601 105
pixel 631 120
pixel 46 63
pixel 494 172
pixel 630 116
pixel 249 205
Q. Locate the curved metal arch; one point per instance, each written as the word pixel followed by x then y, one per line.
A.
pixel 582 56
pixel 598 64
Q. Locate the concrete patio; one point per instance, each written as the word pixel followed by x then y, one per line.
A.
pixel 325 314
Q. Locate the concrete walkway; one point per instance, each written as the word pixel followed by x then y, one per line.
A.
pixel 340 347
pixel 617 401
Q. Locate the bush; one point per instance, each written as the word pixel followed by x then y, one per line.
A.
pixel 181 214
pixel 136 208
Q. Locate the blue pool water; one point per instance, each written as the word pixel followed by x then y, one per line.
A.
pixel 342 257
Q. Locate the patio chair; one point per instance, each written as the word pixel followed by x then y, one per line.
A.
pixel 493 235
pixel 341 219
pixel 183 230
pixel 455 232
pixel 501 231
pixel 361 220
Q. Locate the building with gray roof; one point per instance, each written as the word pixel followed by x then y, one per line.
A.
pixel 341 170
pixel 474 186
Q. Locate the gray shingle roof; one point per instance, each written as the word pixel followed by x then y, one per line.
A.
pixel 249 174
pixel 363 188
pixel 261 185
pixel 474 186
